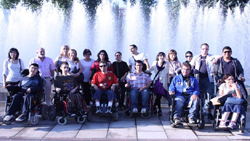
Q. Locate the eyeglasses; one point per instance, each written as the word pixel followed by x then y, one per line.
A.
pixel 188 56
pixel 227 52
pixel 103 66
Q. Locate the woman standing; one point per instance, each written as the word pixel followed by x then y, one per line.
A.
pixel 63 57
pixel 174 64
pixel 75 66
pixel 161 69
pixel 12 68
pixel 86 63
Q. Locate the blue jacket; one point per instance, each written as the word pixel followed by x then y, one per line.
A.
pixel 177 86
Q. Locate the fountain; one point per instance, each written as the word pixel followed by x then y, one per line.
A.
pixel 50 28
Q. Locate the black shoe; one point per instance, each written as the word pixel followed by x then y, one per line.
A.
pixel 155 110
pixel 98 111
pixel 109 110
pixel 160 113
pixel 21 118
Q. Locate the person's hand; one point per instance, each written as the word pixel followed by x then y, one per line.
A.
pixel 58 90
pixel 219 81
pixel 242 79
pixel 171 92
pixel 234 85
pixel 141 89
pixel 95 87
pixel 113 87
pixel 195 97
pixel 127 85
pixel 72 91
pixel 4 85
pixel 28 90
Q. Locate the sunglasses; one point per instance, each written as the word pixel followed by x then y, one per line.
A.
pixel 117 55
pixel 103 66
pixel 227 52
pixel 188 56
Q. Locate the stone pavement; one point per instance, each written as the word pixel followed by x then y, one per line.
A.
pixel 103 128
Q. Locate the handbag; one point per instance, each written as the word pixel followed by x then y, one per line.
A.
pixel 80 78
pixel 234 100
pixel 151 87
pixel 218 100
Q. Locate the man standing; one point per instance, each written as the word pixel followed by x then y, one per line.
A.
pixel 139 83
pixel 204 64
pixel 229 65
pixel 104 82
pixel 185 88
pixel 46 69
pixel 121 70
pixel 137 56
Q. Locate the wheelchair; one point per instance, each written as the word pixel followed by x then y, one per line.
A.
pixel 200 122
pixel 61 109
pixel 129 113
pixel 104 106
pixel 241 121
pixel 36 108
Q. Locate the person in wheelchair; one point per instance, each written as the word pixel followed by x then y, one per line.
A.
pixel 66 84
pixel 104 82
pixel 230 87
pixel 139 83
pixel 30 85
pixel 186 89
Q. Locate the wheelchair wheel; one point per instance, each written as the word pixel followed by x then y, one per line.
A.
pixel 61 120
pixel 90 116
pixel 51 113
pixel 116 116
pixel 145 115
pixel 33 120
pixel 44 112
pixel 128 113
pixel 242 126
pixel 201 124
pixel 81 120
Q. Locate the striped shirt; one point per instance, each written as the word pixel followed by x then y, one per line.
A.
pixel 138 80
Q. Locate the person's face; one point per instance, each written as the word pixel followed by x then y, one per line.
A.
pixel 13 54
pixel 64 68
pixel 32 70
pixel 204 50
pixel 72 55
pixel 132 49
pixel 103 67
pixel 227 53
pixel 229 80
pixel 87 55
pixel 185 71
pixel 118 57
pixel 65 50
pixel 189 57
pixel 102 56
pixel 161 57
pixel 138 67
pixel 172 56
pixel 41 53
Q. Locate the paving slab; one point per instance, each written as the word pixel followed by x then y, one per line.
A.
pixel 166 126
pixel 39 130
pixel 122 124
pixel 238 135
pixel 152 135
pixel 180 134
pixel 95 126
pixel 151 126
pixel 122 133
pixel 219 138
pixel 208 131
pixel 64 131
pixel 8 131
pixel 92 134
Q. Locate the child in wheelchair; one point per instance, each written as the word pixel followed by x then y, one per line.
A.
pixel 67 99
pixel 31 86
pixel 234 105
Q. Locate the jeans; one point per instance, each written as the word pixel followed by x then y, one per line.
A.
pixel 134 95
pixel 98 94
pixel 207 92
pixel 180 101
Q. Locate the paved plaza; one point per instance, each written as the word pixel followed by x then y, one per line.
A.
pixel 104 128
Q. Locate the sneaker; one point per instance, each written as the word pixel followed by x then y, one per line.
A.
pixel 143 110
pixel 191 121
pixel 222 124
pixel 8 117
pixel 21 118
pixel 109 110
pixel 135 110
pixel 177 121
pixel 98 111
pixel 231 125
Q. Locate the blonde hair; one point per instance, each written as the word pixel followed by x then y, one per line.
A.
pixel 73 50
pixel 64 46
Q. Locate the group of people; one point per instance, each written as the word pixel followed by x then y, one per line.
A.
pixel 192 80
